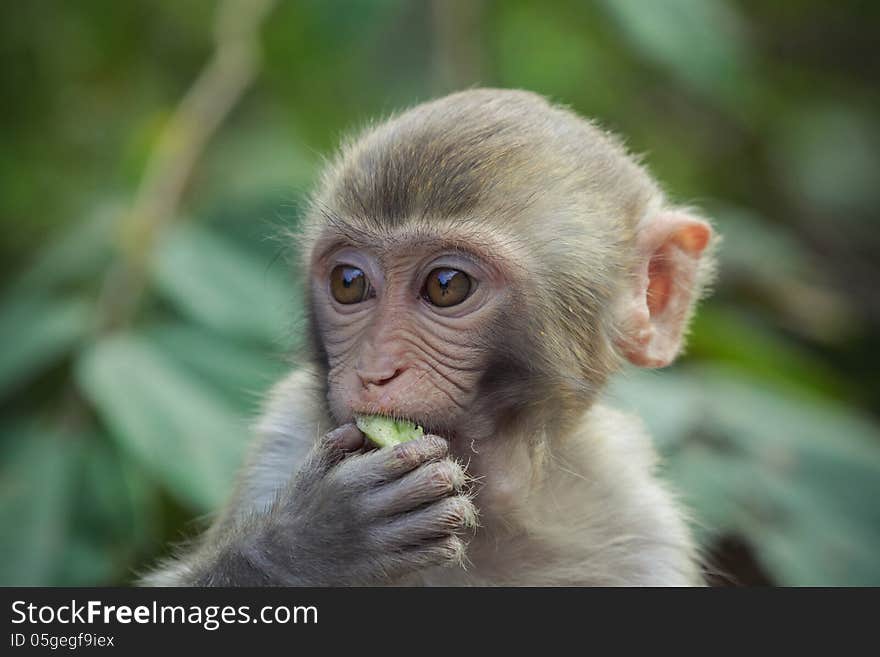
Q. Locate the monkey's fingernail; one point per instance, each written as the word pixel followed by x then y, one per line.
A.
pixel 347 438
pixel 436 443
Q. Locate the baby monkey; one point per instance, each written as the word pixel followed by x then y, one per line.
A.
pixel 480 265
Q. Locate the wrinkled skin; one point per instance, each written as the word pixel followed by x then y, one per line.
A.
pixel 395 353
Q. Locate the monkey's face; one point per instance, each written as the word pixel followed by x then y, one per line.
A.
pixel 405 326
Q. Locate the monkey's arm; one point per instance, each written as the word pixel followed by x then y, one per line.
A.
pixel 325 512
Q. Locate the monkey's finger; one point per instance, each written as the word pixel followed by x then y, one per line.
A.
pixel 337 443
pixel 446 550
pixel 452 515
pixel 346 438
pixel 426 484
pixel 389 463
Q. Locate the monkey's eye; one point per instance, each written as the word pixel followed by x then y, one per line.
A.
pixel 446 287
pixel 349 284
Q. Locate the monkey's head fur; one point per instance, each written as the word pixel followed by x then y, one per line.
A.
pixel 575 259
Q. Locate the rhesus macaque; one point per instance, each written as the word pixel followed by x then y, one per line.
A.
pixel 480 265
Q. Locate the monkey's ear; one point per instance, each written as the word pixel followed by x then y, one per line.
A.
pixel 670 246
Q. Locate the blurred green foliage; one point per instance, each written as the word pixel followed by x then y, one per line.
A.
pixel 763 114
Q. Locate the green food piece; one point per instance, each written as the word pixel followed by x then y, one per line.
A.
pixel 385 431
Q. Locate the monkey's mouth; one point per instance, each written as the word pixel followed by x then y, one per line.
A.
pixel 429 427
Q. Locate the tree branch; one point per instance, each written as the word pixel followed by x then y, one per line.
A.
pixel 218 88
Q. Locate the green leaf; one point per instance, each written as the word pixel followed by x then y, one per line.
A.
pixel 37 332
pixel 115 519
pixel 699 41
pixel 726 335
pixel 831 158
pixel 551 54
pixel 769 258
pixel 78 253
pixel 754 246
pixel 229 174
pixel 35 500
pixel 164 418
pixel 241 373
pixel 222 286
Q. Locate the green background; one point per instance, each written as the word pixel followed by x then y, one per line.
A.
pixel 140 329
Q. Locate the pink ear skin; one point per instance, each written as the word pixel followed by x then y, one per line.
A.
pixel 654 319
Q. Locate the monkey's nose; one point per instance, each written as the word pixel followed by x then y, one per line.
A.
pixel 378 377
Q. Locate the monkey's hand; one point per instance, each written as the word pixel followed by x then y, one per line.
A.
pixel 354 517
